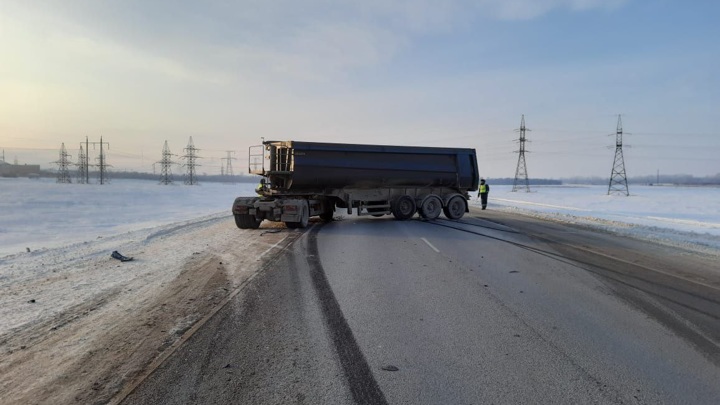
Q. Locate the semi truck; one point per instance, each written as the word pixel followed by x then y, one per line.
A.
pixel 301 180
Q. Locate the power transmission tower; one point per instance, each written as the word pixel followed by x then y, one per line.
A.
pixel 165 165
pixel 618 178
pixel 85 167
pixel 82 166
pixel 102 164
pixel 521 170
pixel 190 156
pixel 63 175
pixel 228 163
pixel 84 161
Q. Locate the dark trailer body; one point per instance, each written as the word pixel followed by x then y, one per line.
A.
pixel 329 165
pixel 303 179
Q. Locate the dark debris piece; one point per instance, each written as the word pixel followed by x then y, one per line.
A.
pixel 116 255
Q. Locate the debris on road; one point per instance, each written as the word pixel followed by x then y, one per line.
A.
pixel 116 255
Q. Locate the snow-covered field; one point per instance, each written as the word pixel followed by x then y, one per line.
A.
pixel 680 216
pixel 41 214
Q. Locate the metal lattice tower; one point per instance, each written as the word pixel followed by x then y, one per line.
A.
pixel 165 165
pixel 190 157
pixel 86 162
pixel 63 174
pixel 521 177
pixel 82 171
pixel 102 164
pixel 618 178
pixel 228 164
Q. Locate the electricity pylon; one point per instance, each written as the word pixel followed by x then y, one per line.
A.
pixel 63 175
pixel 102 163
pixel 521 175
pixel 618 178
pixel 82 166
pixel 165 165
pixel 190 157
pixel 228 170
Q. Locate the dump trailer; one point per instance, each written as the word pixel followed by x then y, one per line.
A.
pixel 301 180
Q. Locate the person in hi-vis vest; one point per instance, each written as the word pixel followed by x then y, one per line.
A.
pixel 483 191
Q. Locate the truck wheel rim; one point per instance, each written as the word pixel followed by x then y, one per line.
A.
pixel 431 207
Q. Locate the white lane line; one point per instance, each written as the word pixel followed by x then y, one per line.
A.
pixel 431 246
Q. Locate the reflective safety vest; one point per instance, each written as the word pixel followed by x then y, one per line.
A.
pixel 483 188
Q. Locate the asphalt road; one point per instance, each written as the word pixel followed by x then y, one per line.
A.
pixel 494 308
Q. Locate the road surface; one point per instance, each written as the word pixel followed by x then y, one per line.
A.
pixel 494 308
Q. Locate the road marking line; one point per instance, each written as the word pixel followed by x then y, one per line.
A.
pixel 431 246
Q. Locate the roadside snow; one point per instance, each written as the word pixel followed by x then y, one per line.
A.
pixel 680 216
pixel 70 231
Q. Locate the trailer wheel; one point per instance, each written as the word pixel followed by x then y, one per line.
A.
pixel 455 208
pixel 246 221
pixel 403 208
pixel 431 207
pixel 304 219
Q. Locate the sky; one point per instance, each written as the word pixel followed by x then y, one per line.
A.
pixel 455 73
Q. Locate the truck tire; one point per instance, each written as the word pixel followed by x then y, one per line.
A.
pixel 304 219
pixel 403 208
pixel 455 208
pixel 431 207
pixel 246 221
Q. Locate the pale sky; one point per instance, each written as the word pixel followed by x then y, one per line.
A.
pixel 453 73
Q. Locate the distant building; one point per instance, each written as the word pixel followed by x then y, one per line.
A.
pixel 9 170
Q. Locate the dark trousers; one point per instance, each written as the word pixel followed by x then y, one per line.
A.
pixel 483 199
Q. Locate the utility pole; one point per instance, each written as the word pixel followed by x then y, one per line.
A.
pixel 618 178
pixel 190 156
pixel 521 170
pixel 63 175
pixel 165 166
